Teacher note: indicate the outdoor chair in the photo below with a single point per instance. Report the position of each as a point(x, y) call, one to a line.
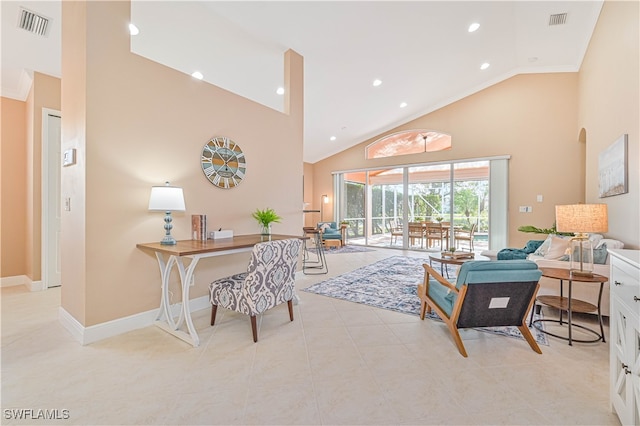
point(416, 232)
point(486, 294)
point(268, 282)
point(396, 230)
point(436, 232)
point(465, 235)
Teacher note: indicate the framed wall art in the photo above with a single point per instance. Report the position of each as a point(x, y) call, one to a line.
point(612, 169)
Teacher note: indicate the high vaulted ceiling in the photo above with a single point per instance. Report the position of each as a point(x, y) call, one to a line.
point(420, 50)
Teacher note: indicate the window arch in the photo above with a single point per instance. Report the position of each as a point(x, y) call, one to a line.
point(408, 142)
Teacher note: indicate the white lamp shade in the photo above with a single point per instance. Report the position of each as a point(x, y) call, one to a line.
point(582, 218)
point(166, 198)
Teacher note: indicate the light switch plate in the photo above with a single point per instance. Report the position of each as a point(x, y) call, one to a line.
point(69, 157)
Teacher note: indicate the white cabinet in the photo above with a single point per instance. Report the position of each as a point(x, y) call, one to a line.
point(624, 325)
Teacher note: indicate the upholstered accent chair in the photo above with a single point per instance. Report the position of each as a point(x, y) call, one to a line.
point(330, 231)
point(486, 294)
point(268, 282)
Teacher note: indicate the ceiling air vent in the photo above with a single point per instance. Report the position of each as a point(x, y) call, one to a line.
point(558, 19)
point(32, 22)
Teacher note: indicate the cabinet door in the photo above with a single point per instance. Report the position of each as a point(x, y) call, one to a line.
point(624, 354)
point(634, 361)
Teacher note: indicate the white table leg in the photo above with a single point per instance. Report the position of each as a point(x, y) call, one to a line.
point(168, 323)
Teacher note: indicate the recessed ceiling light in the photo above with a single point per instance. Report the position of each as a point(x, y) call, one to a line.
point(484, 66)
point(133, 30)
point(377, 82)
point(197, 74)
point(332, 138)
point(402, 105)
point(280, 91)
point(473, 27)
point(533, 59)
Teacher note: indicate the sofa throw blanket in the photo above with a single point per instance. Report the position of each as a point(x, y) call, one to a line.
point(513, 253)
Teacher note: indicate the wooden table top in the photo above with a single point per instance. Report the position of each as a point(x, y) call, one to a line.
point(192, 247)
point(565, 274)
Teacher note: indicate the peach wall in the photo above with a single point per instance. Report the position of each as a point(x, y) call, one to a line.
point(609, 95)
point(136, 123)
point(13, 204)
point(309, 196)
point(532, 118)
point(74, 104)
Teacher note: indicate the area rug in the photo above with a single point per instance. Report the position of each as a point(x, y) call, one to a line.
point(392, 284)
point(343, 249)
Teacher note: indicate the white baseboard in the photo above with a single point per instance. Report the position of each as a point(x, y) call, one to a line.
point(94, 333)
point(22, 280)
point(37, 286)
point(14, 281)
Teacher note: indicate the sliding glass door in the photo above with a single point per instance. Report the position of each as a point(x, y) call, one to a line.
point(394, 207)
point(471, 205)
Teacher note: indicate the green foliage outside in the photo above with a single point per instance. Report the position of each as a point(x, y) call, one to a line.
point(428, 201)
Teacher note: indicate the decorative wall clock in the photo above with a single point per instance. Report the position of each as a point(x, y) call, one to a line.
point(223, 163)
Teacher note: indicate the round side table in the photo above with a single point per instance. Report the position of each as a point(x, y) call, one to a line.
point(570, 305)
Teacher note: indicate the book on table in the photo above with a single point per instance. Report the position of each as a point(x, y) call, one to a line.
point(458, 255)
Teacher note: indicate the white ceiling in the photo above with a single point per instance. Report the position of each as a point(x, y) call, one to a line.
point(421, 51)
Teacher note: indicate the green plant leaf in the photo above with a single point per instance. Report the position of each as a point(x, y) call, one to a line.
point(266, 216)
point(535, 230)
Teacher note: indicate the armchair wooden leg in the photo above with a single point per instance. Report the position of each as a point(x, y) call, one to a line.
point(423, 309)
point(290, 306)
point(456, 338)
point(254, 328)
point(526, 333)
point(214, 309)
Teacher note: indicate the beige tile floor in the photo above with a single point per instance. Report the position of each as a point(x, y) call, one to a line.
point(337, 363)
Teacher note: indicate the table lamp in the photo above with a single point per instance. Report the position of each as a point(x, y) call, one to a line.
point(582, 219)
point(167, 199)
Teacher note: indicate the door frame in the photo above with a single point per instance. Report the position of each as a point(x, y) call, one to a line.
point(47, 153)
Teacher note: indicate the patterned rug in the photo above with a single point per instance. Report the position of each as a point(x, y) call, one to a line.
point(343, 249)
point(391, 284)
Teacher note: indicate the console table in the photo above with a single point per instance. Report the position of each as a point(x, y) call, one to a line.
point(170, 255)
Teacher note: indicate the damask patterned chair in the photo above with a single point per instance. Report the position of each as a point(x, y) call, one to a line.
point(268, 282)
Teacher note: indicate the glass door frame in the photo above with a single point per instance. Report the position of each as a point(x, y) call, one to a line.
point(498, 197)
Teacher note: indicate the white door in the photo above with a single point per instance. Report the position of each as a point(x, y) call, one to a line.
point(51, 192)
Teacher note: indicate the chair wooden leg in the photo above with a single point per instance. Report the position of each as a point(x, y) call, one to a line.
point(526, 333)
point(254, 328)
point(456, 338)
point(214, 309)
point(290, 306)
point(423, 309)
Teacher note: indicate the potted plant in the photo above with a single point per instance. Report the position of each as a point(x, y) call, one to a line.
point(265, 218)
